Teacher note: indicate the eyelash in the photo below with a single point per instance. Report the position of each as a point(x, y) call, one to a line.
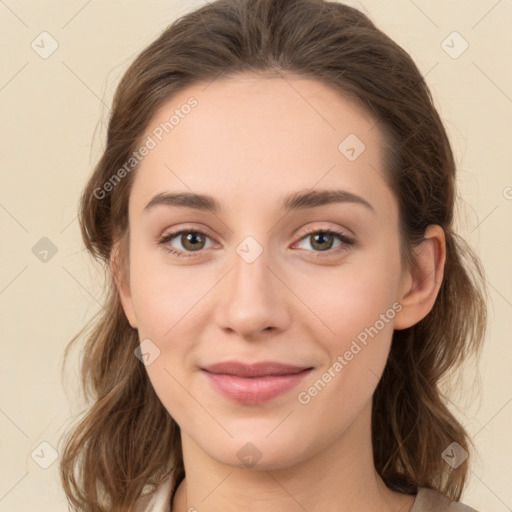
point(346, 242)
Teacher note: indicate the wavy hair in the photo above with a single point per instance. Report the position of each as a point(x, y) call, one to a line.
point(127, 440)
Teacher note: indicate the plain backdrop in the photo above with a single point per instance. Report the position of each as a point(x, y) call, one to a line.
point(54, 109)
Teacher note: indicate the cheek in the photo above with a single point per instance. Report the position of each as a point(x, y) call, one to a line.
point(165, 296)
point(166, 304)
point(352, 297)
point(168, 301)
point(357, 306)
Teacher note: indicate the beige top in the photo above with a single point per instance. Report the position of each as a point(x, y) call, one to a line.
point(426, 500)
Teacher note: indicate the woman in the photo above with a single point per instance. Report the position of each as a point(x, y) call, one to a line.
point(274, 206)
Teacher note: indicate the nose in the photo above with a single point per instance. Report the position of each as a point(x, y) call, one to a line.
point(252, 300)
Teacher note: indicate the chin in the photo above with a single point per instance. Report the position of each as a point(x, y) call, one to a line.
point(257, 452)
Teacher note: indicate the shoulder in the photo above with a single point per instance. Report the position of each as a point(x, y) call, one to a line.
point(158, 500)
point(428, 500)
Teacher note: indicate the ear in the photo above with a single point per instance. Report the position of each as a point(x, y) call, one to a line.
point(421, 284)
point(120, 274)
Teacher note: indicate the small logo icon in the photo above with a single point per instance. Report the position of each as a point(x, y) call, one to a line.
point(249, 455)
point(351, 147)
point(44, 250)
point(249, 249)
point(454, 45)
point(147, 352)
point(454, 455)
point(44, 45)
point(44, 455)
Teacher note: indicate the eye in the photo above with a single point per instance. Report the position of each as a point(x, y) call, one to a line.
point(322, 241)
point(191, 240)
point(194, 240)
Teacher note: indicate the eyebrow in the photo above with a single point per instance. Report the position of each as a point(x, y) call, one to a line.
point(295, 201)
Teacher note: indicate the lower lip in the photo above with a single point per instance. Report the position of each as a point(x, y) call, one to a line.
point(255, 390)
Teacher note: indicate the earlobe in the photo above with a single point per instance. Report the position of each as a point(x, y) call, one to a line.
point(420, 285)
point(119, 271)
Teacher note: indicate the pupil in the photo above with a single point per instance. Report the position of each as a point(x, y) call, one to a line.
point(192, 238)
point(321, 235)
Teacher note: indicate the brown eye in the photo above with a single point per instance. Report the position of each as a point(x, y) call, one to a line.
point(322, 240)
point(192, 240)
point(188, 241)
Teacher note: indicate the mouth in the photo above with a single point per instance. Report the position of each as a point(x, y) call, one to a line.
point(260, 369)
point(254, 383)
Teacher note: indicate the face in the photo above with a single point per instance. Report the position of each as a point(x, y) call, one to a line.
point(313, 283)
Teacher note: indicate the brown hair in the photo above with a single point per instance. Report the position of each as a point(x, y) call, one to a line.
point(127, 439)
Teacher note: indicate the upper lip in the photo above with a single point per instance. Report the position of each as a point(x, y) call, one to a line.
point(260, 369)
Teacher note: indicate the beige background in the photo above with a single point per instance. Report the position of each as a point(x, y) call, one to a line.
point(53, 123)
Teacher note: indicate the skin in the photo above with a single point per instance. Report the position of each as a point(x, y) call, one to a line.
point(250, 141)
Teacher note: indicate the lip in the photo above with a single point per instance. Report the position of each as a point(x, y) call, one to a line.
point(254, 383)
point(259, 369)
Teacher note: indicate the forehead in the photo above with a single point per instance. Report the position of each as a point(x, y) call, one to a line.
point(260, 138)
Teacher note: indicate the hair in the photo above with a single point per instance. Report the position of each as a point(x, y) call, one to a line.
point(127, 440)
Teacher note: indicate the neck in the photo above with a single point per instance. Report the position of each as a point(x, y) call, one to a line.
point(340, 476)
